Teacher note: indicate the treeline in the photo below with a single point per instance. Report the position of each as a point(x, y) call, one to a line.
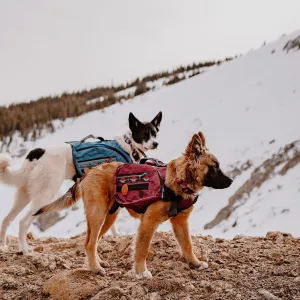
point(32, 117)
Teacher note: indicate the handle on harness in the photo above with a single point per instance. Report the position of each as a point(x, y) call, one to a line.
point(155, 161)
point(91, 136)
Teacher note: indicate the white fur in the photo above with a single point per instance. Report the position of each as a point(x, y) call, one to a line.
point(114, 230)
point(203, 265)
point(149, 144)
point(145, 274)
point(13, 177)
point(38, 182)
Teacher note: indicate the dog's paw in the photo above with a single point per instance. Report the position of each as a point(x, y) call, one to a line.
point(145, 274)
point(98, 270)
point(203, 265)
point(25, 251)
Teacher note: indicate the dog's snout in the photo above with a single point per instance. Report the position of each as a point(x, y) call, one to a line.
point(155, 144)
point(228, 182)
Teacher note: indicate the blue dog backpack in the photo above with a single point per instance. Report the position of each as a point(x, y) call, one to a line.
point(92, 154)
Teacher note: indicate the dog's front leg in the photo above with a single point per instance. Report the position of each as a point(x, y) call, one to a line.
point(155, 214)
point(181, 231)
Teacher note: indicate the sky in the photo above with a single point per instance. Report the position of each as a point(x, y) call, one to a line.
point(49, 47)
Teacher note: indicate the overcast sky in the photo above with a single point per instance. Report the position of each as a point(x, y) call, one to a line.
point(48, 47)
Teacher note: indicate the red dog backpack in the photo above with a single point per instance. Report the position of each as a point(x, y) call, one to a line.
point(139, 185)
point(136, 186)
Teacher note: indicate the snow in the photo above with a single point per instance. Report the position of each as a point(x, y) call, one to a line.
point(240, 106)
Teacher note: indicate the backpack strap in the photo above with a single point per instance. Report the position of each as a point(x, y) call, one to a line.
point(170, 196)
point(134, 151)
point(92, 136)
point(114, 208)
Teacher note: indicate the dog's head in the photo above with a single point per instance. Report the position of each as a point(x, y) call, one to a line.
point(201, 168)
point(144, 134)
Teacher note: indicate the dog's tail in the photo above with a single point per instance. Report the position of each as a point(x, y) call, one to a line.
point(65, 201)
point(13, 177)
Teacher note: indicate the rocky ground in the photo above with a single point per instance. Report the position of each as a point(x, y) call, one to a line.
point(242, 268)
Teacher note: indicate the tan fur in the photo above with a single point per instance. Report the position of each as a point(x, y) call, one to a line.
point(97, 192)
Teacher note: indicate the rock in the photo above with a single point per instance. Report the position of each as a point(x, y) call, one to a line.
point(137, 291)
point(203, 257)
point(154, 296)
point(186, 298)
point(213, 265)
point(279, 237)
point(30, 236)
point(38, 249)
point(44, 261)
point(275, 255)
point(220, 262)
point(110, 294)
point(65, 285)
point(219, 240)
point(267, 295)
point(189, 287)
point(297, 279)
point(224, 273)
point(239, 237)
point(9, 284)
point(224, 254)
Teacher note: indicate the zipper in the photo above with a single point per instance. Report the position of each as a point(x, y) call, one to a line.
point(97, 158)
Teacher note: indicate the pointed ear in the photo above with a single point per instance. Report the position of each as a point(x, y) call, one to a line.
point(195, 147)
point(133, 122)
point(202, 137)
point(156, 121)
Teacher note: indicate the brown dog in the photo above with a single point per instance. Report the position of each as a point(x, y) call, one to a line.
point(197, 167)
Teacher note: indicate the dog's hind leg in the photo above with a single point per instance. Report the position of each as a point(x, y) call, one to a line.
point(95, 221)
point(42, 188)
point(181, 231)
point(114, 230)
point(21, 200)
point(23, 228)
point(109, 223)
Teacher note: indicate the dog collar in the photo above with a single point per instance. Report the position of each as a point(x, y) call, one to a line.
point(134, 151)
point(184, 187)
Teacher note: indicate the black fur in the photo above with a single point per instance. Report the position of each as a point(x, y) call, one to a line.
point(216, 179)
point(35, 154)
point(142, 132)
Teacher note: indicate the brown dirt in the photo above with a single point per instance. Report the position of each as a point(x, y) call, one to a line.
point(242, 268)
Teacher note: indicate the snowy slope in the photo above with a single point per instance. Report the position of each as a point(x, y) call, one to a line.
point(240, 106)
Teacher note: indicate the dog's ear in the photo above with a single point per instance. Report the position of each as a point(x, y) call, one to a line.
point(133, 122)
point(195, 147)
point(203, 139)
point(156, 121)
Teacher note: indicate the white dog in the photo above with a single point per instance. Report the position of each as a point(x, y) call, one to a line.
point(44, 170)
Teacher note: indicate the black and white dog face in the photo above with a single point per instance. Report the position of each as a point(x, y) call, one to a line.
point(144, 134)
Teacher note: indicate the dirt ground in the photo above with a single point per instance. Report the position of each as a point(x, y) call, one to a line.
point(242, 268)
